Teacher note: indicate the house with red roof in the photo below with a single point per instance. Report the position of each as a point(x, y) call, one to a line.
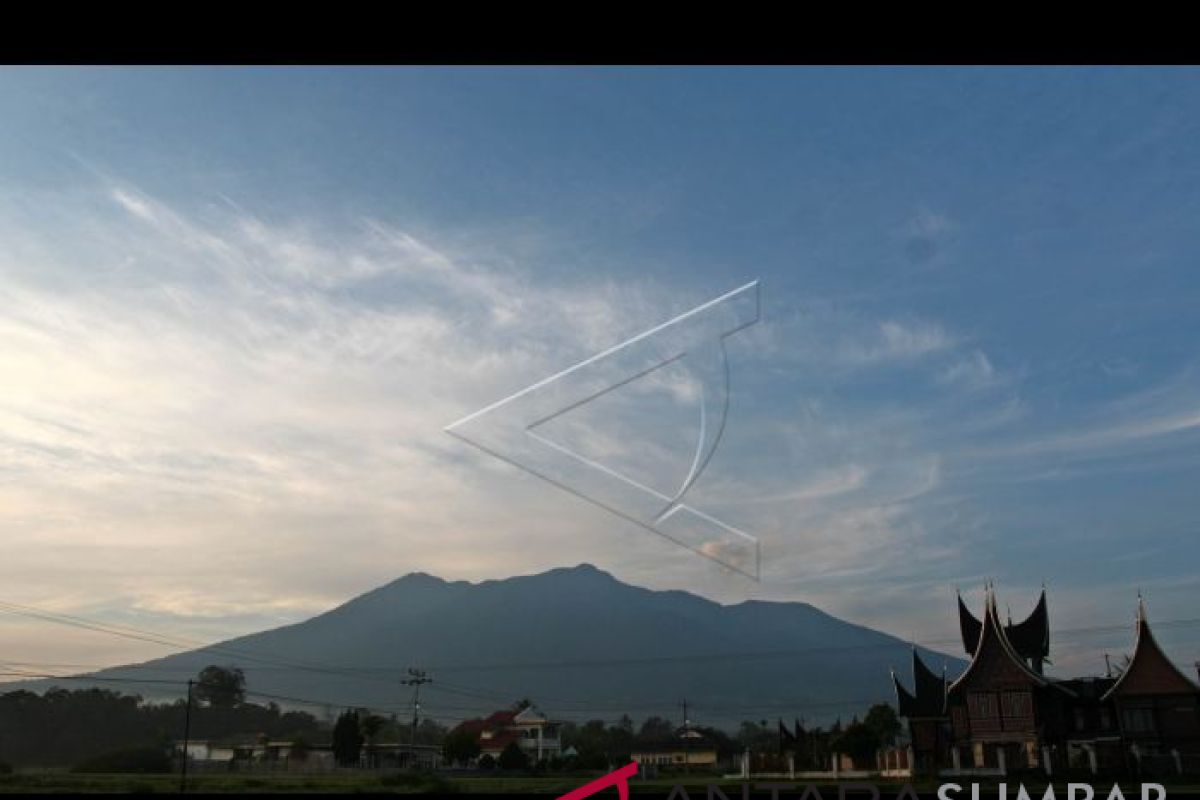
point(529, 728)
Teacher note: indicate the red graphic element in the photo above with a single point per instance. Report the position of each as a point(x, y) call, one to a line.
point(619, 778)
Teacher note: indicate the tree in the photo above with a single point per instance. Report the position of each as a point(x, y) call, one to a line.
point(347, 739)
point(460, 746)
point(882, 720)
point(857, 741)
point(299, 750)
point(370, 725)
point(486, 761)
point(757, 736)
point(429, 731)
point(656, 730)
point(220, 687)
point(513, 757)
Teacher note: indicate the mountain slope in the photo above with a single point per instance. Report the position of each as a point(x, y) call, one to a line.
point(576, 640)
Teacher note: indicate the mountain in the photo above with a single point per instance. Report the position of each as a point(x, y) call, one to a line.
point(577, 641)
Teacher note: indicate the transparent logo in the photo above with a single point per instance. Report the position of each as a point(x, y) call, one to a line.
point(513, 429)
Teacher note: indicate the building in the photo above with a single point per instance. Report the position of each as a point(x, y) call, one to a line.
point(529, 728)
point(690, 748)
point(271, 755)
point(1004, 713)
point(1156, 706)
point(925, 710)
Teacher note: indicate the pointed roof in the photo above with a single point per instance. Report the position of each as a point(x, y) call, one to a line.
point(929, 696)
point(993, 644)
point(1030, 638)
point(1150, 671)
point(969, 626)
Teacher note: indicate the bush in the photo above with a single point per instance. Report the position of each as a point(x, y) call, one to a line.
point(139, 759)
point(513, 757)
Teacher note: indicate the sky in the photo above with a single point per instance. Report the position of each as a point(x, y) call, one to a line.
point(238, 307)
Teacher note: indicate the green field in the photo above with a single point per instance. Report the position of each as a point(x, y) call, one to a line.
point(52, 781)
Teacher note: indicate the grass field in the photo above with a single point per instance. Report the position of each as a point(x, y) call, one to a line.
point(348, 782)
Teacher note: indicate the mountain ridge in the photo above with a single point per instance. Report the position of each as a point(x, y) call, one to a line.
point(576, 640)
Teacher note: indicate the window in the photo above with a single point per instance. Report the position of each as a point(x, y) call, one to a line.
point(1138, 720)
point(982, 704)
point(1017, 704)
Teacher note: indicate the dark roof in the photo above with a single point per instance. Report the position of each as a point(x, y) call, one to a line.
point(992, 639)
point(1029, 638)
point(499, 741)
point(500, 718)
point(1150, 671)
point(1087, 688)
point(471, 726)
point(495, 721)
point(929, 696)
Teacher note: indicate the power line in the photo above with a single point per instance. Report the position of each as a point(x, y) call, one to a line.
point(373, 673)
point(379, 673)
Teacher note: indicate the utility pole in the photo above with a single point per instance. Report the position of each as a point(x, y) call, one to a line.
point(416, 678)
point(687, 740)
point(187, 733)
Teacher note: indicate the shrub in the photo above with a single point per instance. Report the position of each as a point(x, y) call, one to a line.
point(139, 759)
point(513, 757)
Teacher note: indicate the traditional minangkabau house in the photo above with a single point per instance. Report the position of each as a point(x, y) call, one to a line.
point(925, 710)
point(1157, 705)
point(1004, 713)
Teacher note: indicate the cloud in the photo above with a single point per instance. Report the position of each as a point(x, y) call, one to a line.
point(973, 372)
point(900, 340)
point(925, 235)
point(203, 394)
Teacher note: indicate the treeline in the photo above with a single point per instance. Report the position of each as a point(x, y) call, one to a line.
point(601, 745)
point(65, 727)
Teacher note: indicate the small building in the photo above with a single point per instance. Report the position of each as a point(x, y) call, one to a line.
point(688, 749)
point(264, 754)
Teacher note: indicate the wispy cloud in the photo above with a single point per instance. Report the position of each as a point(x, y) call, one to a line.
point(214, 393)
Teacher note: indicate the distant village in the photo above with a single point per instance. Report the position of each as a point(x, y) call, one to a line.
point(1003, 715)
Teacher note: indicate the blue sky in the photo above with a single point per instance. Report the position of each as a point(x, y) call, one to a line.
point(240, 304)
